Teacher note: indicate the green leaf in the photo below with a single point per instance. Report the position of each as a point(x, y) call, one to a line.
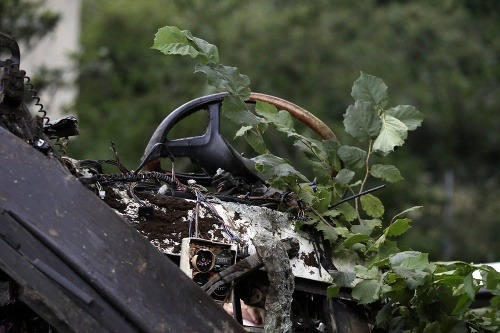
point(385, 249)
point(277, 169)
point(408, 115)
point(411, 209)
point(332, 213)
point(366, 291)
point(372, 205)
point(378, 243)
point(383, 315)
point(416, 262)
point(355, 238)
point(323, 197)
point(361, 121)
point(454, 325)
point(366, 227)
point(347, 211)
point(242, 131)
point(495, 301)
point(314, 149)
point(236, 110)
point(365, 273)
point(372, 224)
point(288, 172)
point(352, 156)
point(491, 279)
point(344, 176)
point(412, 278)
point(305, 193)
point(226, 78)
point(396, 259)
point(386, 172)
point(254, 138)
point(281, 119)
point(432, 328)
point(393, 134)
point(298, 224)
point(361, 229)
point(343, 279)
point(372, 90)
point(398, 227)
point(462, 304)
point(172, 41)
point(328, 231)
point(469, 287)
point(332, 291)
point(322, 171)
point(330, 147)
point(342, 231)
point(209, 51)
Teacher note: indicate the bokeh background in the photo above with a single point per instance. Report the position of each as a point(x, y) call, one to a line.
point(440, 56)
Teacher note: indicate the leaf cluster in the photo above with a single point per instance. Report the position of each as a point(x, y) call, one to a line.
point(406, 290)
point(439, 56)
point(171, 40)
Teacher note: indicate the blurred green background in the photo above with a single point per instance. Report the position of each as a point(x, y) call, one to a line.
point(440, 56)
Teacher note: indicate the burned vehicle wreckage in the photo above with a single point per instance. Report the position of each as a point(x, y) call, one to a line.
point(152, 250)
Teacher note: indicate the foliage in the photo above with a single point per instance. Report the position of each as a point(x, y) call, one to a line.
point(408, 291)
point(438, 55)
point(441, 55)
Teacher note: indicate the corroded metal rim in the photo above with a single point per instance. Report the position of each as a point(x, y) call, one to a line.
point(299, 113)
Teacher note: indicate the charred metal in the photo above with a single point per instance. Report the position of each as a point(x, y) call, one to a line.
point(139, 251)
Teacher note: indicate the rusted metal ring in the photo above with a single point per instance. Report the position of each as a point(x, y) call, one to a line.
point(298, 113)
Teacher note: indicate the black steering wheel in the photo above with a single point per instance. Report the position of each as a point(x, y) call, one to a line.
point(210, 150)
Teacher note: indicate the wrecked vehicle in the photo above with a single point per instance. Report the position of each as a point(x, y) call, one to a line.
point(152, 250)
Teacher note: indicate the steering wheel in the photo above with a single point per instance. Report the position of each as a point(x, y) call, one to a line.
point(210, 150)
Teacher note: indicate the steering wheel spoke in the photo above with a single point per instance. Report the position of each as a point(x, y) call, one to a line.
point(210, 150)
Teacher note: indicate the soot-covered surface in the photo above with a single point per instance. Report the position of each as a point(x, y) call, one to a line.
point(164, 220)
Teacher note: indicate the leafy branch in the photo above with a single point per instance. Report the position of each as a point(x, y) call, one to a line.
point(405, 290)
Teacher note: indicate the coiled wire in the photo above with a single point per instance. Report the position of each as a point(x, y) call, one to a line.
point(34, 96)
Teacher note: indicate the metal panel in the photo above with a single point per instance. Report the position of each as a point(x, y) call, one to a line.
point(101, 247)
